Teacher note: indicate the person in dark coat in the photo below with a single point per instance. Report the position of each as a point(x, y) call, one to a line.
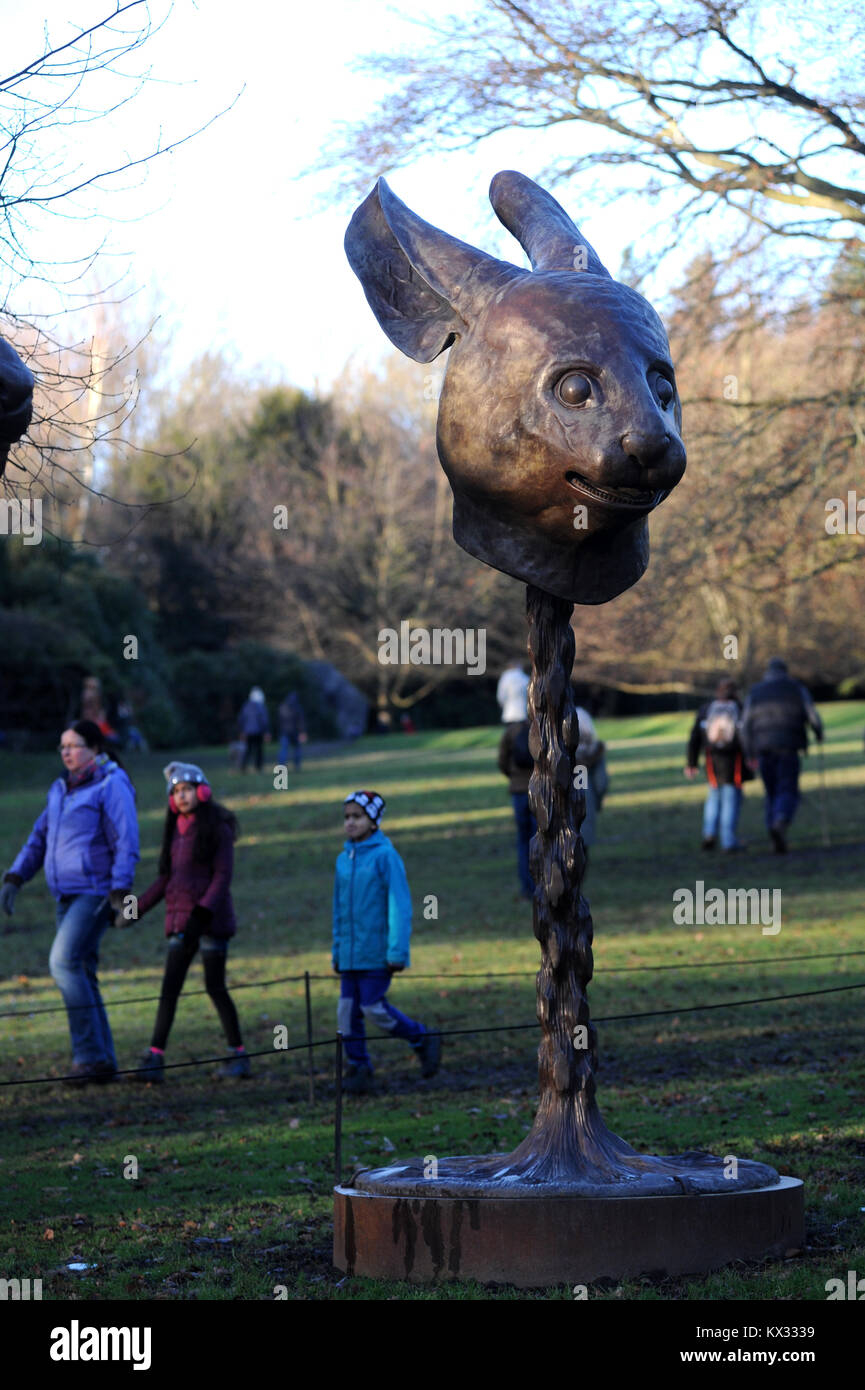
point(778, 713)
point(195, 868)
point(292, 729)
point(516, 763)
point(254, 724)
point(715, 733)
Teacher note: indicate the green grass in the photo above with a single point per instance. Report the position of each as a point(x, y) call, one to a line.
point(232, 1197)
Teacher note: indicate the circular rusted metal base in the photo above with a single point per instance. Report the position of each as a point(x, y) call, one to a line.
point(534, 1239)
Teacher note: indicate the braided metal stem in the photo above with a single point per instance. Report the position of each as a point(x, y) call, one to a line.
point(568, 1138)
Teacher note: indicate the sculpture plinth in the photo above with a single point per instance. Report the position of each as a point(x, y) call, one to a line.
point(559, 430)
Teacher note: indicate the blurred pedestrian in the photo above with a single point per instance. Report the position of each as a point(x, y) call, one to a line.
point(778, 713)
point(591, 755)
point(195, 868)
point(716, 733)
point(254, 724)
point(292, 729)
point(87, 839)
point(512, 691)
point(371, 934)
point(516, 763)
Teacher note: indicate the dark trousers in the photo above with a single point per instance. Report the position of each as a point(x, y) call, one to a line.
point(526, 827)
point(181, 951)
point(253, 749)
point(362, 1000)
point(780, 773)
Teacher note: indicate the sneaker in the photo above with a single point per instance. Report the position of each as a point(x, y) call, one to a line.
point(85, 1073)
point(237, 1067)
point(357, 1080)
point(151, 1068)
point(708, 842)
point(429, 1051)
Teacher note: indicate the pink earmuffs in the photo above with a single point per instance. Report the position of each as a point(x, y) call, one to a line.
point(202, 791)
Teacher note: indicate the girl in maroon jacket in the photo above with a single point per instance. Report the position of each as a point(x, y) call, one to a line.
point(195, 879)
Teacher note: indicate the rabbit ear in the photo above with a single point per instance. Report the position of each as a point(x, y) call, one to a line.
point(541, 226)
point(422, 285)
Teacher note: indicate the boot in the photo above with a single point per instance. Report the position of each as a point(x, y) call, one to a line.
point(429, 1052)
point(357, 1080)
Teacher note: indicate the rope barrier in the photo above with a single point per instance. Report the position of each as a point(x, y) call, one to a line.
point(455, 975)
point(462, 1032)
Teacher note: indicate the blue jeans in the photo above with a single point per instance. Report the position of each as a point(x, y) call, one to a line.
point(362, 1000)
point(526, 827)
point(81, 920)
point(780, 773)
point(284, 741)
point(722, 804)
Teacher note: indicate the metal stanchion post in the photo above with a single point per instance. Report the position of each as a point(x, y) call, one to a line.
point(309, 1037)
point(337, 1124)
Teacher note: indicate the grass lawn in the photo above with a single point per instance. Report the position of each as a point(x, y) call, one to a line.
point(232, 1198)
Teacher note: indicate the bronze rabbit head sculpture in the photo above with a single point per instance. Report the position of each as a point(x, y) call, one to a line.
point(16, 399)
point(559, 421)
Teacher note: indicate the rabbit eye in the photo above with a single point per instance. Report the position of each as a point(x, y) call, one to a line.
point(574, 389)
point(664, 391)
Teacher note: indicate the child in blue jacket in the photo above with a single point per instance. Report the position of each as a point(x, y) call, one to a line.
point(371, 931)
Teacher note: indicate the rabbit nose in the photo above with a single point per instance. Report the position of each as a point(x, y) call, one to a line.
point(646, 446)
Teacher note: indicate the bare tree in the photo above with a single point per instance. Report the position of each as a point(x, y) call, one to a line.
point(85, 385)
point(665, 80)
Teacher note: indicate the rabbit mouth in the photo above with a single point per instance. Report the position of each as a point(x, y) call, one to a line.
point(635, 497)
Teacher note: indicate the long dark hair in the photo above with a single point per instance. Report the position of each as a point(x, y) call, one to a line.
point(95, 739)
point(210, 816)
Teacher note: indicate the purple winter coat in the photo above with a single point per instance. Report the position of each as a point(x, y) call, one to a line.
point(191, 884)
point(87, 836)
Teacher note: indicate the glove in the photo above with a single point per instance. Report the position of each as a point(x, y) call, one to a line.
point(197, 922)
point(394, 969)
point(9, 892)
point(116, 898)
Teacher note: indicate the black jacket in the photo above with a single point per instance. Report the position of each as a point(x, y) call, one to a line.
point(777, 713)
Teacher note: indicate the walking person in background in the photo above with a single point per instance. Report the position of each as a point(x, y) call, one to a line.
point(292, 729)
point(254, 724)
point(715, 731)
point(87, 839)
point(512, 691)
point(195, 868)
point(371, 934)
point(516, 763)
point(775, 722)
point(591, 754)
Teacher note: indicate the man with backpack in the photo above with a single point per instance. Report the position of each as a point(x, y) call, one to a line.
point(778, 712)
point(716, 732)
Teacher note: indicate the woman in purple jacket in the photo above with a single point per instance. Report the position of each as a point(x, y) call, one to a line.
point(195, 868)
point(87, 839)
